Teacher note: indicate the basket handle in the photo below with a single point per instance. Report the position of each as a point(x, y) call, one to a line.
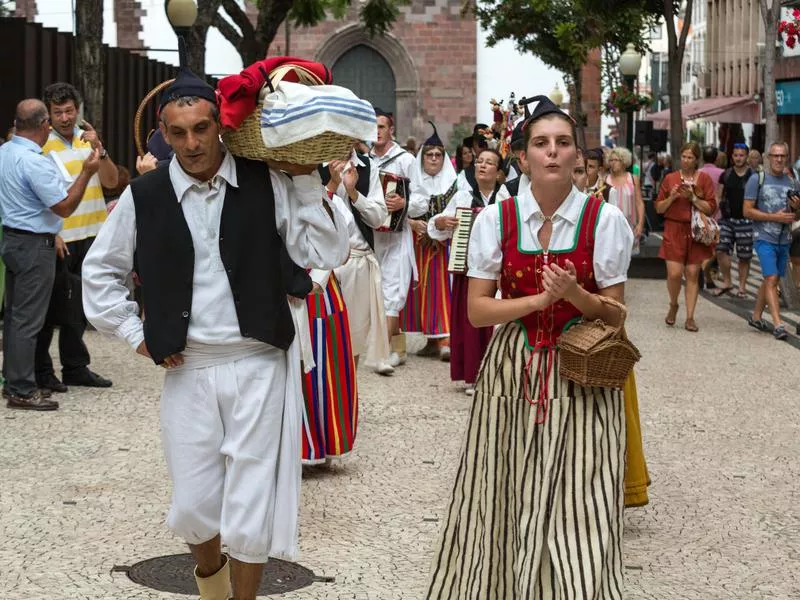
point(137, 120)
point(620, 328)
point(277, 75)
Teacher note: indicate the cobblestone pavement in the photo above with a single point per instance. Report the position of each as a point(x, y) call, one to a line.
point(85, 488)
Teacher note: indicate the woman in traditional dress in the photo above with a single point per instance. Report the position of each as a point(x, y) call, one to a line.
point(427, 308)
point(681, 192)
point(624, 191)
point(637, 479)
point(468, 343)
point(330, 389)
point(536, 510)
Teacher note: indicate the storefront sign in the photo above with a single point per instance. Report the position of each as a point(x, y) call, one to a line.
point(788, 96)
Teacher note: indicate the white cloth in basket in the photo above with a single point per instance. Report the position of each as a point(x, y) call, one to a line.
point(295, 112)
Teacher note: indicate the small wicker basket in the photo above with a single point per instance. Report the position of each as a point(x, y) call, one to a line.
point(141, 142)
point(246, 142)
point(595, 354)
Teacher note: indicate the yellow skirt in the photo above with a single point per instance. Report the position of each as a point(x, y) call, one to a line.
point(636, 476)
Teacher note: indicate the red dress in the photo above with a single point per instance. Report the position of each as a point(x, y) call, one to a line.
point(678, 244)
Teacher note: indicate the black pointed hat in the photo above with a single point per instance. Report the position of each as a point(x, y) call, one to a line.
point(186, 83)
point(544, 106)
point(379, 112)
point(434, 140)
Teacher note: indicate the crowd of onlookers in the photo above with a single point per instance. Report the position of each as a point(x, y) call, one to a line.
point(55, 179)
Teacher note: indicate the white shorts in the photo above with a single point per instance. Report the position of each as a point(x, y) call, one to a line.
point(221, 434)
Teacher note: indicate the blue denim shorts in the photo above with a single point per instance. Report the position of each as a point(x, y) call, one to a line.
point(773, 258)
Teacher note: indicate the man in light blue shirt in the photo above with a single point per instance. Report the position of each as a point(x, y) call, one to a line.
point(771, 200)
point(33, 201)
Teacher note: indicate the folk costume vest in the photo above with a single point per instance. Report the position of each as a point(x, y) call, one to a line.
point(250, 248)
point(522, 276)
point(522, 271)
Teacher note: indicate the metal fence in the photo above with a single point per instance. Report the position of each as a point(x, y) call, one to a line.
point(38, 56)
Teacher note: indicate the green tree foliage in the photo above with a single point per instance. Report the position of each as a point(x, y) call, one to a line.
point(562, 33)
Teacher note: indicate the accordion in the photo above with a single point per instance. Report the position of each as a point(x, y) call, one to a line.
point(394, 184)
point(459, 247)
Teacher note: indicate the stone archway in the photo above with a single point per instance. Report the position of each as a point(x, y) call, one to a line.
point(392, 50)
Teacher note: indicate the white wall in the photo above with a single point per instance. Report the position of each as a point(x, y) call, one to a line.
point(502, 70)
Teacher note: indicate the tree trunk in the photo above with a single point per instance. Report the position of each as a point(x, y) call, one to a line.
point(196, 49)
point(577, 102)
point(771, 16)
point(676, 47)
point(89, 59)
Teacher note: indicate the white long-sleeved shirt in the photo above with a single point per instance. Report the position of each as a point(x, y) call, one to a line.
point(424, 186)
point(371, 207)
point(311, 237)
point(403, 166)
point(357, 242)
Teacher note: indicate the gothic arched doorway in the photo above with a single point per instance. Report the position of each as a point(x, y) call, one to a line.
point(368, 75)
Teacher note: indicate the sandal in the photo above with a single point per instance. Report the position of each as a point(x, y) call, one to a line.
point(780, 332)
point(759, 324)
point(741, 295)
point(720, 291)
point(690, 325)
point(673, 312)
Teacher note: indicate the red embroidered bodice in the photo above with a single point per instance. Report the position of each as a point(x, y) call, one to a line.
point(522, 271)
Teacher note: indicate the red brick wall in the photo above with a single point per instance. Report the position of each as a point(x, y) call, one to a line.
point(128, 16)
point(442, 46)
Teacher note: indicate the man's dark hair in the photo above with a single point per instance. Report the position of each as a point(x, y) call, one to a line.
point(651, 156)
point(595, 154)
point(60, 93)
point(710, 155)
point(30, 115)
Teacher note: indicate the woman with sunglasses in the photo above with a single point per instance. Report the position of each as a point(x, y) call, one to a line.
point(468, 343)
point(532, 513)
point(681, 192)
point(427, 308)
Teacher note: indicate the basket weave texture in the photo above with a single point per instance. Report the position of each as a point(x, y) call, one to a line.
point(595, 354)
point(246, 142)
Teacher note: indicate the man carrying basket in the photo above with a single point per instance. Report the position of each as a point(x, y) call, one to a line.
point(212, 228)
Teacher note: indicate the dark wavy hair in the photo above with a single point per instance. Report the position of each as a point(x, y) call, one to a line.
point(60, 93)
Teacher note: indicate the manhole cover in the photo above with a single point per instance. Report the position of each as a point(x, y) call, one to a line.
point(175, 574)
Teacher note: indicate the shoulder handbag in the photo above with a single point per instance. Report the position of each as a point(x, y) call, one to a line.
point(705, 229)
point(66, 306)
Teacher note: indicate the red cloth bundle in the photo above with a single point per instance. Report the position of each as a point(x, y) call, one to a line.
point(238, 94)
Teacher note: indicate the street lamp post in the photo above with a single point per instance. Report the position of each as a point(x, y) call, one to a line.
point(182, 14)
point(556, 96)
point(629, 64)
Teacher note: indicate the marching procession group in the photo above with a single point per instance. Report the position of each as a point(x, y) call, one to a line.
point(490, 257)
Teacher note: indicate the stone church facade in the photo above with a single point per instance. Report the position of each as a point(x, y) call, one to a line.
point(424, 69)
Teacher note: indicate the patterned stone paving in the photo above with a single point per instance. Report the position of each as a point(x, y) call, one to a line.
point(84, 490)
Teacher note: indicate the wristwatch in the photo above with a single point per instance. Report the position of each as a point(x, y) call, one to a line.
point(103, 154)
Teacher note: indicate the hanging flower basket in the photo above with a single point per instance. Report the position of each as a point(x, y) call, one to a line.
point(624, 100)
point(791, 29)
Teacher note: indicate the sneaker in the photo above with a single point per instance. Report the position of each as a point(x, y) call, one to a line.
point(759, 324)
point(384, 368)
point(394, 359)
point(470, 391)
point(780, 332)
point(444, 353)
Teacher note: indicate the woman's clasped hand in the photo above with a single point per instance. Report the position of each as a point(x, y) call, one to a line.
point(560, 283)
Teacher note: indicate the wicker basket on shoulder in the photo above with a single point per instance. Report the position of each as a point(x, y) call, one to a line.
point(138, 138)
point(246, 142)
point(595, 354)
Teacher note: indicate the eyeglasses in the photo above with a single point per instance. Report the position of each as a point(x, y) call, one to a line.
point(434, 155)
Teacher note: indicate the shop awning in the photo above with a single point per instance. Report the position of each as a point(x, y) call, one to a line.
point(723, 109)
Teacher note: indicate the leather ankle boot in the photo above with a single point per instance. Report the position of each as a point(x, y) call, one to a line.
point(216, 586)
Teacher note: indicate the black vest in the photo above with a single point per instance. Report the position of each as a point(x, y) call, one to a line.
point(250, 248)
point(363, 188)
point(513, 186)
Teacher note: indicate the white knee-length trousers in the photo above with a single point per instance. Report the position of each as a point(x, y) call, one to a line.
point(224, 433)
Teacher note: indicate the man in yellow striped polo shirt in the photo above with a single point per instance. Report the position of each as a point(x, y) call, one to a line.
point(69, 145)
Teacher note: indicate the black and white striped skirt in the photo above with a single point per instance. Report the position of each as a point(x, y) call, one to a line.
point(536, 510)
